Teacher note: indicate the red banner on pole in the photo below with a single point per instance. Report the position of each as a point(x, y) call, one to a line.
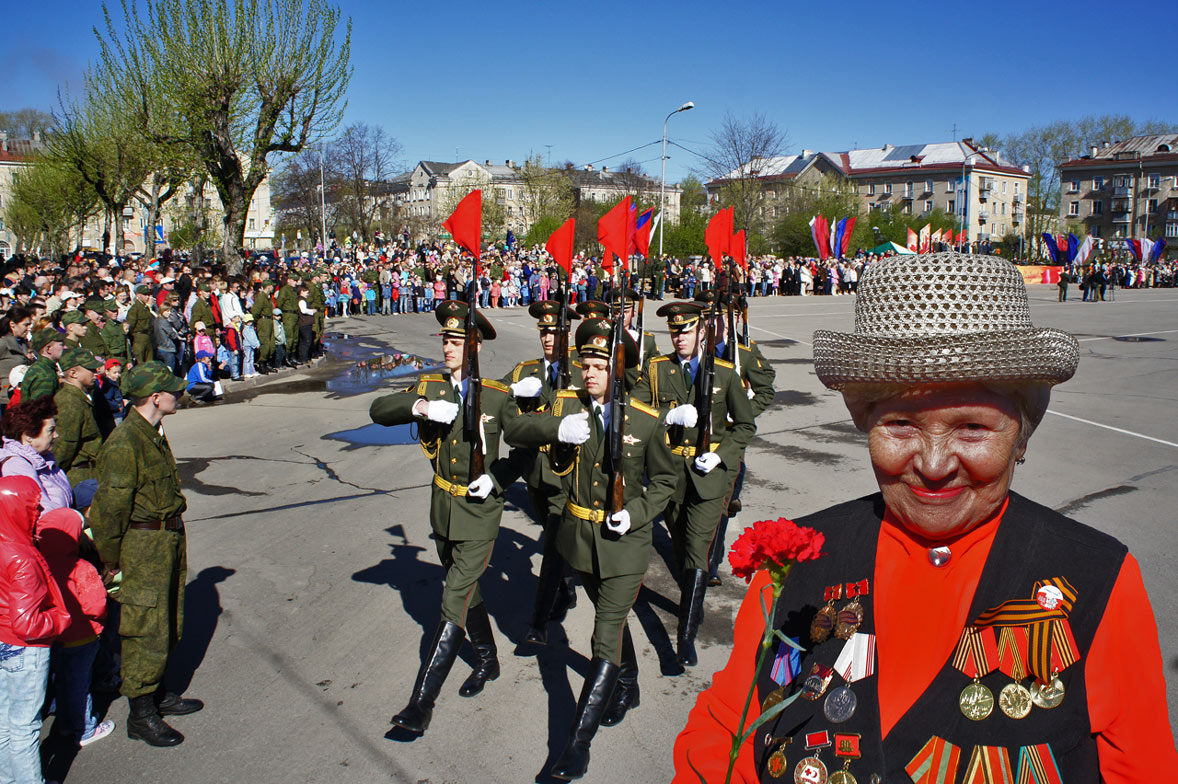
point(560, 245)
point(738, 250)
point(718, 236)
point(613, 231)
point(466, 225)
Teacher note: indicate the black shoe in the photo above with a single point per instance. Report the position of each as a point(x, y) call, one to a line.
point(691, 609)
point(144, 723)
point(537, 635)
point(417, 714)
point(734, 507)
point(626, 692)
point(596, 694)
point(478, 628)
point(713, 579)
point(170, 704)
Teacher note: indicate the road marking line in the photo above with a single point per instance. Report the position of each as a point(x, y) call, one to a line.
point(783, 337)
point(1114, 429)
point(802, 315)
point(1132, 335)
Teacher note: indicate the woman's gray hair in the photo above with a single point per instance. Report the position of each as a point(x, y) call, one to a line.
point(1030, 398)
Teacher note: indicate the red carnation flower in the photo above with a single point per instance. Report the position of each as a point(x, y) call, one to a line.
point(774, 545)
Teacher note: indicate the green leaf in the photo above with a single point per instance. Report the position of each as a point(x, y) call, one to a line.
point(695, 770)
point(769, 714)
point(788, 641)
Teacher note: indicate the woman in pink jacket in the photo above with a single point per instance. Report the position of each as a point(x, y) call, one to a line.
point(32, 616)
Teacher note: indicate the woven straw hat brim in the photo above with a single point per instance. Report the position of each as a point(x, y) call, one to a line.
point(1035, 354)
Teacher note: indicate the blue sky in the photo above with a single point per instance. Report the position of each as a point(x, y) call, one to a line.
point(498, 80)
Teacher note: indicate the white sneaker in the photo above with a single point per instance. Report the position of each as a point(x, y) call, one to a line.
point(103, 729)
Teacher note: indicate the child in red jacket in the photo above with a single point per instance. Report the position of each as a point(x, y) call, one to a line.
point(72, 660)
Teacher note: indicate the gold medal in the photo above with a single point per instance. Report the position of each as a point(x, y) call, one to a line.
point(775, 696)
point(842, 777)
point(777, 765)
point(1015, 701)
point(823, 622)
point(849, 620)
point(976, 701)
point(1048, 695)
point(816, 682)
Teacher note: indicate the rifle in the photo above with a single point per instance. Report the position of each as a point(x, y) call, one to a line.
point(472, 404)
point(617, 401)
point(564, 373)
point(705, 380)
point(731, 353)
point(641, 308)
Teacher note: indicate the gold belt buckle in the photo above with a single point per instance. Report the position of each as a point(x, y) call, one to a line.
point(456, 490)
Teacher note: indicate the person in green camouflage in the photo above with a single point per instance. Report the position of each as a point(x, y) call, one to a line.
point(43, 376)
point(138, 531)
point(465, 518)
point(139, 320)
point(74, 324)
point(610, 549)
point(92, 341)
point(263, 312)
point(114, 335)
point(288, 301)
point(316, 300)
point(201, 309)
point(78, 435)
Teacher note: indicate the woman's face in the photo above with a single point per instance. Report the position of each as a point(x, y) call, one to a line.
point(43, 441)
point(944, 455)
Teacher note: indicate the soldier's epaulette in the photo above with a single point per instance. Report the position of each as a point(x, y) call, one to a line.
point(527, 362)
point(493, 384)
point(648, 332)
point(725, 364)
point(640, 406)
point(566, 393)
point(659, 358)
point(428, 377)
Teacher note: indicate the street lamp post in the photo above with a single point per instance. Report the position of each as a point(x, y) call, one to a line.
point(663, 176)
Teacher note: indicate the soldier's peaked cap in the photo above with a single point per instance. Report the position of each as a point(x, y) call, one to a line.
point(680, 315)
point(451, 314)
point(593, 341)
point(547, 313)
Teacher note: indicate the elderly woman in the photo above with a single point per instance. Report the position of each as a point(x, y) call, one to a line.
point(954, 631)
point(30, 429)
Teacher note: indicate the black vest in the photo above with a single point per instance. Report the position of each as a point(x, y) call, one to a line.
point(1032, 543)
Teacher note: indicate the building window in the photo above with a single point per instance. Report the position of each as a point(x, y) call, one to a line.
point(871, 189)
point(950, 186)
point(1096, 230)
point(928, 206)
point(1172, 230)
point(952, 208)
point(1004, 186)
point(1152, 205)
point(1074, 186)
point(1016, 186)
point(928, 186)
point(1073, 208)
point(888, 188)
point(251, 224)
point(1155, 181)
point(1001, 229)
point(907, 208)
point(1098, 183)
point(908, 189)
point(1098, 208)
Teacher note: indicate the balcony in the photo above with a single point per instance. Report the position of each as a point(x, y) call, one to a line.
point(1016, 217)
point(1121, 192)
point(1172, 216)
point(1122, 218)
point(1153, 186)
point(1119, 205)
point(983, 216)
point(1018, 198)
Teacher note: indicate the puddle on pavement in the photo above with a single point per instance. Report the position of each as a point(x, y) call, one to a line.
point(373, 373)
point(374, 435)
point(1139, 339)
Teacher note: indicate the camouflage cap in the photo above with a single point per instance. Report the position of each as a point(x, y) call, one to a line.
point(202, 286)
point(96, 305)
point(111, 306)
point(46, 336)
point(73, 317)
point(78, 357)
point(143, 289)
point(149, 378)
point(593, 340)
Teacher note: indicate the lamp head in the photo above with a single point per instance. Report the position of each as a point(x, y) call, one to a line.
point(686, 106)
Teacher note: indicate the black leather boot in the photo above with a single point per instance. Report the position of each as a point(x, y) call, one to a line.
point(172, 704)
point(626, 692)
point(546, 590)
point(478, 628)
point(566, 593)
point(417, 714)
point(691, 611)
point(716, 551)
point(144, 723)
point(573, 762)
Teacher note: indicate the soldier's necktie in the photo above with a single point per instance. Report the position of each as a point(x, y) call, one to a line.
point(552, 376)
point(599, 419)
point(687, 373)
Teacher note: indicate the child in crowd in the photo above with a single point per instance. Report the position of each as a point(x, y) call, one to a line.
point(279, 340)
point(223, 363)
point(201, 340)
point(110, 395)
point(232, 343)
point(202, 387)
point(72, 656)
point(249, 345)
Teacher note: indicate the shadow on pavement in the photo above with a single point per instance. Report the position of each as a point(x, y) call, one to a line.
point(202, 609)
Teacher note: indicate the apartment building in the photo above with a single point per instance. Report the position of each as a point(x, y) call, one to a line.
point(1123, 189)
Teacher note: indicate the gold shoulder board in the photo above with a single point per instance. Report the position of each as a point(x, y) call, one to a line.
point(660, 358)
point(493, 384)
point(421, 385)
point(640, 406)
point(725, 364)
point(566, 393)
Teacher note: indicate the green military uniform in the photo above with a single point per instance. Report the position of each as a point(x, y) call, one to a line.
point(288, 302)
point(113, 334)
point(78, 436)
point(202, 311)
point(73, 317)
point(43, 376)
point(316, 300)
point(92, 341)
point(700, 499)
point(596, 309)
point(263, 313)
point(137, 528)
point(139, 321)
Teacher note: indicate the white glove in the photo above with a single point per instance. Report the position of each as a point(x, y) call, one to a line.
point(706, 462)
point(441, 411)
point(619, 522)
point(682, 415)
point(751, 393)
point(481, 487)
point(574, 429)
point(527, 387)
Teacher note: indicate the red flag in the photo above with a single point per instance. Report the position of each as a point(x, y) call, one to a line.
point(847, 235)
point(739, 249)
point(913, 242)
point(466, 225)
point(613, 230)
point(560, 245)
point(607, 263)
point(643, 224)
point(820, 229)
point(718, 235)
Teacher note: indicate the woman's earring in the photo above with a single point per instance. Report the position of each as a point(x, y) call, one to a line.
point(1020, 461)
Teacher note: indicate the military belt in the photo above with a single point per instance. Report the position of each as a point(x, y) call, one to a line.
point(689, 451)
point(582, 513)
point(453, 488)
point(171, 524)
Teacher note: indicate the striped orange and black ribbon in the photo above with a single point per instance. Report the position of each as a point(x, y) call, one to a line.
point(1036, 765)
point(936, 763)
point(977, 652)
point(989, 765)
point(1051, 647)
point(1012, 652)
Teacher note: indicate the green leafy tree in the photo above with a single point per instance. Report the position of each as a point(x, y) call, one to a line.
point(548, 193)
point(233, 80)
point(49, 203)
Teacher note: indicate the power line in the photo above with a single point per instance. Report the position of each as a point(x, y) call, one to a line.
point(697, 154)
point(627, 152)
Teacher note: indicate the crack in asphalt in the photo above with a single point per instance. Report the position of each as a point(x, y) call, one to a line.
point(332, 474)
point(1085, 500)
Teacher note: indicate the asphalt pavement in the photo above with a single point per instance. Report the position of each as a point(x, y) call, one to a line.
point(312, 575)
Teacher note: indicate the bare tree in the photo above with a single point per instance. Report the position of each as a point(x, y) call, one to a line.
point(548, 192)
point(233, 80)
point(24, 123)
point(295, 191)
point(739, 150)
point(361, 161)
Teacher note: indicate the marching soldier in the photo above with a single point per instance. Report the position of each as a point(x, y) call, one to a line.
point(757, 375)
point(465, 518)
point(610, 551)
point(534, 384)
point(139, 531)
point(671, 384)
point(78, 435)
point(598, 309)
point(139, 322)
point(43, 376)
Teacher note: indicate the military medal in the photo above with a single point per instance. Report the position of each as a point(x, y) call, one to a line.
point(1048, 695)
point(774, 697)
point(816, 682)
point(827, 616)
point(1015, 699)
point(811, 770)
point(935, 763)
point(846, 745)
point(977, 650)
point(840, 705)
point(777, 765)
point(855, 662)
point(850, 618)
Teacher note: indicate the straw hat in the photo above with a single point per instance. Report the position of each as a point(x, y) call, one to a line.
point(943, 318)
